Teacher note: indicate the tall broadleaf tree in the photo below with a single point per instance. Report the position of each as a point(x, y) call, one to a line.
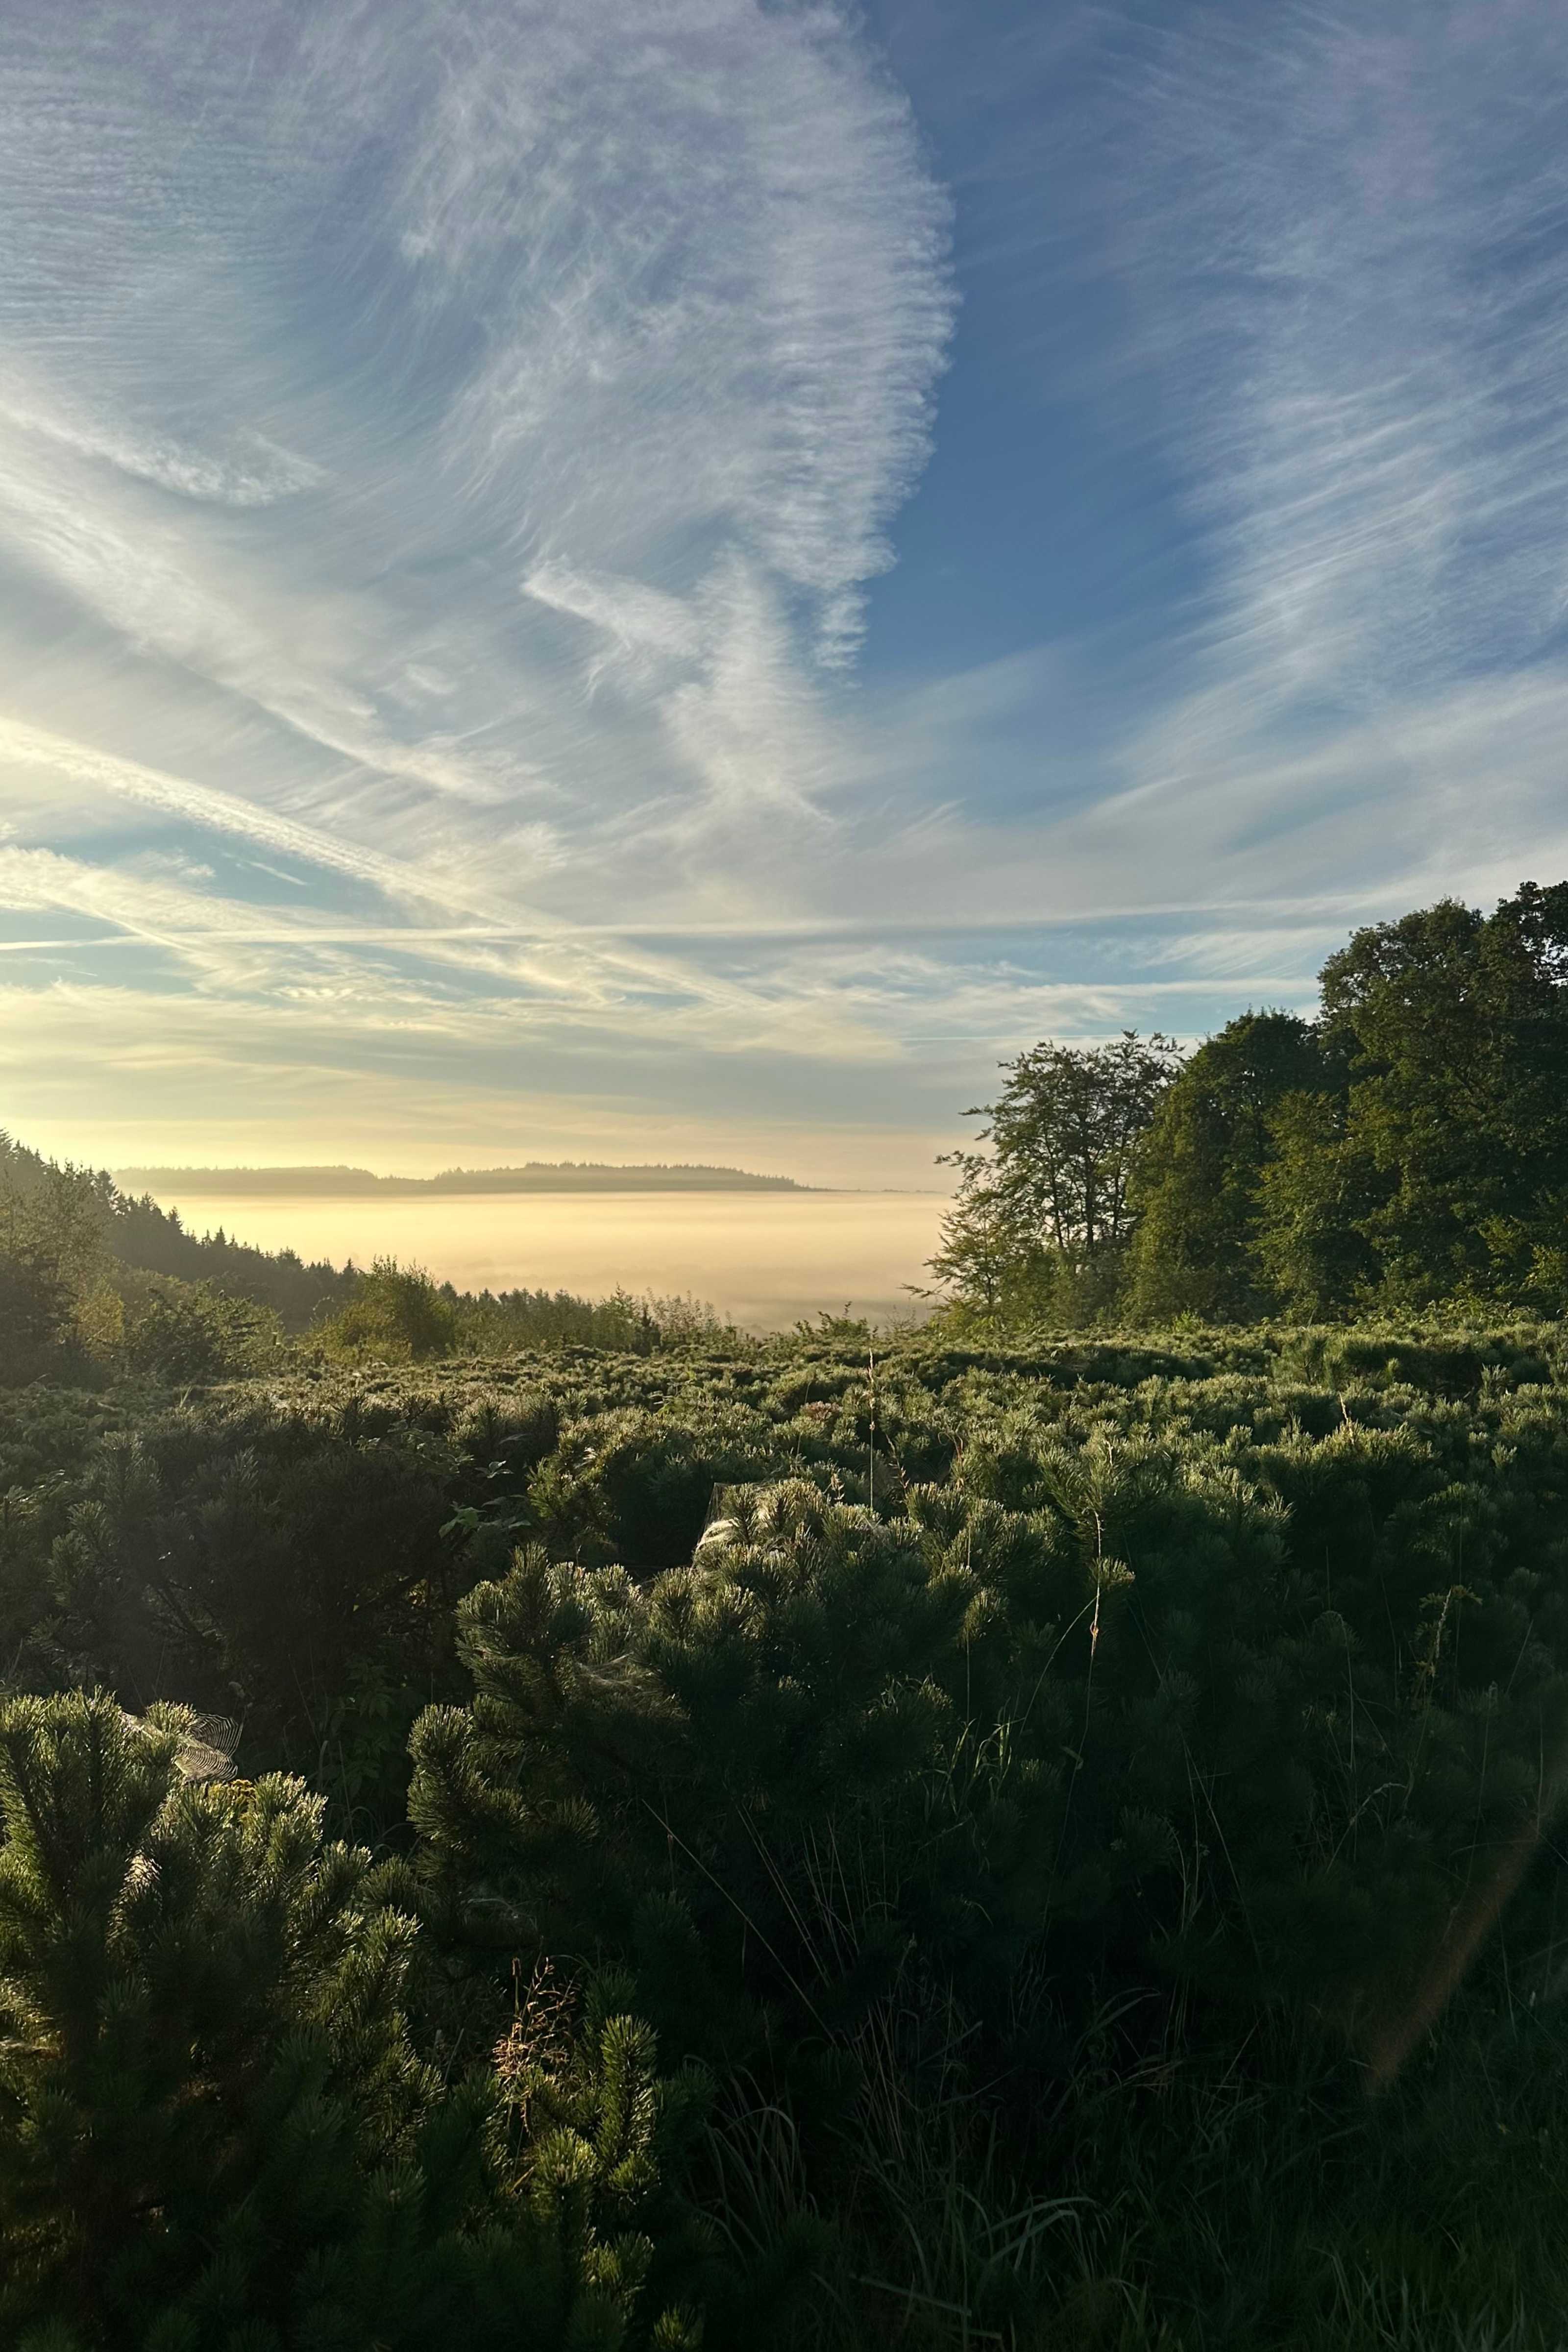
point(1197, 1177)
point(1457, 1023)
point(1042, 1221)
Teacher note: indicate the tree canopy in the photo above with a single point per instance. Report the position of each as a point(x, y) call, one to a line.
point(1407, 1148)
point(1047, 1212)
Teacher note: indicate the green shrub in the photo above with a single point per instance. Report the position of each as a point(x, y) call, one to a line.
point(395, 1315)
point(217, 2130)
point(184, 1332)
point(1042, 1794)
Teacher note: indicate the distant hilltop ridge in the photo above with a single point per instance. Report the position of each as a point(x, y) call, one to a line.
point(533, 1176)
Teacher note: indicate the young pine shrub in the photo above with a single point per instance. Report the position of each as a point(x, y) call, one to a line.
point(202, 2056)
point(215, 2130)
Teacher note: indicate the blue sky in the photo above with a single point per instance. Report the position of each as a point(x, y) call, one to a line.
point(673, 581)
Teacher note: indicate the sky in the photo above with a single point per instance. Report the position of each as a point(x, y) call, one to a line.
point(676, 579)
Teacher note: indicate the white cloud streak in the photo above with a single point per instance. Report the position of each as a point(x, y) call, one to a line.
point(31, 748)
point(496, 415)
point(445, 446)
point(1347, 265)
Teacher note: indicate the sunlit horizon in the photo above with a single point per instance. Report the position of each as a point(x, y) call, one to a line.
point(762, 1260)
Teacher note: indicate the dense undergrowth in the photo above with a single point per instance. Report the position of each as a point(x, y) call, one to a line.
point(1037, 1848)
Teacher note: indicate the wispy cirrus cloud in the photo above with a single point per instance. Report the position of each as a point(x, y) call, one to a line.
point(1345, 251)
point(448, 454)
point(482, 424)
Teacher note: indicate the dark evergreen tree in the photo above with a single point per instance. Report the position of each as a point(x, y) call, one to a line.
point(214, 2129)
point(54, 1258)
point(157, 1241)
point(202, 2048)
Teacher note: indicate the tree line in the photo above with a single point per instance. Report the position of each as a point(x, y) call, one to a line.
point(1404, 1150)
point(92, 1278)
point(96, 1286)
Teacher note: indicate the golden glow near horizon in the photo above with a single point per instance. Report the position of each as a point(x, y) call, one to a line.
point(764, 1259)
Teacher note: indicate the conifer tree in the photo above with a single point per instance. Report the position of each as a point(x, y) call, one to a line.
point(202, 2041)
point(215, 2130)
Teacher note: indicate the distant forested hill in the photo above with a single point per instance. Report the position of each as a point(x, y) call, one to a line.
point(532, 1176)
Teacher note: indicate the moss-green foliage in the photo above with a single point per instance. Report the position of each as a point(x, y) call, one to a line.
point(966, 1831)
point(1101, 1673)
point(395, 1315)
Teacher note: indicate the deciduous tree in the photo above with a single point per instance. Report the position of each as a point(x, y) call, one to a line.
point(1052, 1197)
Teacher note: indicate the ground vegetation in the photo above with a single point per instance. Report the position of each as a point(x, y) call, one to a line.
point(939, 1845)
